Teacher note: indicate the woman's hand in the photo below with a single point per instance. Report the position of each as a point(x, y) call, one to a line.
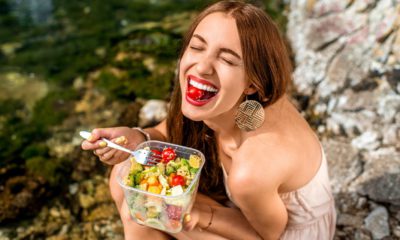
point(123, 136)
point(201, 214)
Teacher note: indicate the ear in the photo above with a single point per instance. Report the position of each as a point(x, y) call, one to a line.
point(250, 90)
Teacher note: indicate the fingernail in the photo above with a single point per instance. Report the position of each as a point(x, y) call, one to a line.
point(90, 138)
point(187, 218)
point(103, 144)
point(121, 140)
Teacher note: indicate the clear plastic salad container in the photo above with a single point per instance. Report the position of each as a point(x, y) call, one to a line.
point(163, 212)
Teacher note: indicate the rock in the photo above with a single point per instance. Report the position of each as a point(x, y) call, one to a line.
point(388, 107)
point(368, 140)
point(73, 188)
point(361, 234)
point(384, 188)
point(362, 5)
point(385, 26)
point(22, 196)
point(377, 223)
point(392, 135)
point(129, 116)
point(27, 88)
point(323, 31)
point(394, 76)
point(349, 220)
point(344, 164)
point(9, 49)
point(396, 46)
point(355, 101)
point(396, 231)
point(103, 211)
point(328, 7)
point(380, 178)
point(347, 61)
point(352, 123)
point(152, 112)
point(86, 201)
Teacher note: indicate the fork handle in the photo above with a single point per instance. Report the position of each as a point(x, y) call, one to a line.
point(116, 146)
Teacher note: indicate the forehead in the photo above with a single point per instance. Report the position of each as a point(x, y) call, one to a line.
point(219, 28)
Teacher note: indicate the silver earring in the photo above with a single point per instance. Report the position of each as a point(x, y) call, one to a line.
point(250, 115)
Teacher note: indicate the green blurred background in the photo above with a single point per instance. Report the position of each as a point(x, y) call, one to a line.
point(54, 56)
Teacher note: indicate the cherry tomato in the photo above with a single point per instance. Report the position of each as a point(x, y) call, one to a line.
point(156, 152)
point(178, 180)
point(195, 93)
point(168, 154)
point(170, 177)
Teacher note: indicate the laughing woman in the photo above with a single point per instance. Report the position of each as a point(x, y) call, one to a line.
point(229, 102)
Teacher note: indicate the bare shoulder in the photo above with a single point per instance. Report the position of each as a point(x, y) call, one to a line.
point(263, 162)
point(275, 163)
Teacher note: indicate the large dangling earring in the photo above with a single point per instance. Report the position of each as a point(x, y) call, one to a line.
point(250, 115)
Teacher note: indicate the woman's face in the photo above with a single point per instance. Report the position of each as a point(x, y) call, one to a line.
point(211, 70)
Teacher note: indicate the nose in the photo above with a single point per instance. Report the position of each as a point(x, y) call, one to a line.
point(204, 66)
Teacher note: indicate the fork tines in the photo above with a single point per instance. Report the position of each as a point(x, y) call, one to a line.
point(153, 158)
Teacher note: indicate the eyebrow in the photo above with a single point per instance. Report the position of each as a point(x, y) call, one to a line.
point(227, 50)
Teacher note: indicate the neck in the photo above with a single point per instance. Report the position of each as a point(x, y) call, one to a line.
point(225, 127)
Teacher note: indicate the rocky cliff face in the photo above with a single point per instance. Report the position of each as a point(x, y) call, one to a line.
point(347, 56)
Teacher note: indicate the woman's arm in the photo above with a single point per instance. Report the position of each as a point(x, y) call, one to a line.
point(158, 132)
point(209, 219)
point(125, 136)
point(254, 185)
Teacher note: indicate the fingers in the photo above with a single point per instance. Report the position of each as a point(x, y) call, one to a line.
point(106, 154)
point(98, 133)
point(110, 156)
point(187, 222)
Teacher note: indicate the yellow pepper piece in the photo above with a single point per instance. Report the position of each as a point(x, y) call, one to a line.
point(154, 189)
point(194, 161)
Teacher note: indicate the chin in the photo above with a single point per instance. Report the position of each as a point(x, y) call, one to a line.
point(193, 115)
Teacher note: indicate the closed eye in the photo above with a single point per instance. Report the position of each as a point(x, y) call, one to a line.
point(227, 61)
point(196, 48)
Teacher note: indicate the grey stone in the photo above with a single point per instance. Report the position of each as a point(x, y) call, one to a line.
point(368, 140)
point(328, 7)
point(377, 223)
point(351, 122)
point(396, 231)
point(362, 5)
point(380, 178)
point(361, 234)
point(391, 136)
point(346, 56)
point(152, 112)
point(349, 220)
point(382, 27)
point(388, 107)
point(344, 164)
point(322, 31)
point(351, 101)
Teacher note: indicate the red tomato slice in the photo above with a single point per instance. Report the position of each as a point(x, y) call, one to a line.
point(178, 180)
point(168, 154)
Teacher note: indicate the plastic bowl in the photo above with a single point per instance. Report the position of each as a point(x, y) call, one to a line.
point(162, 212)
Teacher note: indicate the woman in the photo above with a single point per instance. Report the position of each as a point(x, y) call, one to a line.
point(229, 102)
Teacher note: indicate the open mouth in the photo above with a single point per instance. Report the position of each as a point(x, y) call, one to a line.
point(199, 90)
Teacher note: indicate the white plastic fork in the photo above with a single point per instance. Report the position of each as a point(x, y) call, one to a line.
point(142, 156)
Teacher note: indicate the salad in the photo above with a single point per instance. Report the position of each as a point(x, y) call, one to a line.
point(171, 176)
point(160, 195)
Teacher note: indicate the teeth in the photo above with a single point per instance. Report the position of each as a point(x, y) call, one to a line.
point(202, 86)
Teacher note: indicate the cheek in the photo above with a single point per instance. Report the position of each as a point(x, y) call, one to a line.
point(234, 82)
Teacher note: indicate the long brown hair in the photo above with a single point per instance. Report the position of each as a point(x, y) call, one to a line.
point(267, 66)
